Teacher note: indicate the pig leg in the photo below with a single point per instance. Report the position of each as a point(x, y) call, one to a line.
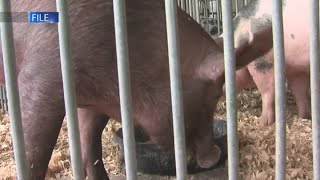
point(207, 153)
point(263, 78)
point(299, 85)
point(42, 109)
point(91, 126)
point(244, 79)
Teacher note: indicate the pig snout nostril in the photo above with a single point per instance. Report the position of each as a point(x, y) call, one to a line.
point(211, 159)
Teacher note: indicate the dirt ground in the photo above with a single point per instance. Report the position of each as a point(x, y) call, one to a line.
point(256, 144)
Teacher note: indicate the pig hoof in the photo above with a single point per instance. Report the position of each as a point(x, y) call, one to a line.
point(266, 122)
point(306, 116)
point(224, 89)
point(210, 159)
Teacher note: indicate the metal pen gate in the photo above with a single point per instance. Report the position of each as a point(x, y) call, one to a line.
point(208, 13)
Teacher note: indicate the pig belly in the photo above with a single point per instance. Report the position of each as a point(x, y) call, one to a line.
point(296, 35)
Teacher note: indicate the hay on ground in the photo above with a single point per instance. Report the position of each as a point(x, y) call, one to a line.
point(256, 144)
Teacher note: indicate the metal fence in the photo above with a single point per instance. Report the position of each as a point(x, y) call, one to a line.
point(3, 99)
point(208, 13)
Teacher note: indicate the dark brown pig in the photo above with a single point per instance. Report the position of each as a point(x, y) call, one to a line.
point(96, 79)
point(256, 17)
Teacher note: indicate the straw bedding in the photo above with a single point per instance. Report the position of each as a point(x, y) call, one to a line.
point(256, 144)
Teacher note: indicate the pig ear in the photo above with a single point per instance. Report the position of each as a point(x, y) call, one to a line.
point(219, 41)
point(251, 46)
point(212, 68)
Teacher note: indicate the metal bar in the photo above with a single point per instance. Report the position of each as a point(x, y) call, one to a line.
point(5, 99)
point(212, 10)
point(201, 13)
point(120, 26)
point(176, 90)
point(2, 100)
point(183, 4)
point(187, 6)
point(315, 85)
point(69, 89)
point(237, 6)
point(206, 14)
point(218, 17)
point(194, 9)
point(9, 63)
point(5, 108)
point(280, 93)
point(197, 11)
point(229, 56)
point(190, 8)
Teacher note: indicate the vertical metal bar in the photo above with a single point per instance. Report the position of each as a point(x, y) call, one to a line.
point(233, 156)
point(237, 6)
point(206, 14)
point(315, 85)
point(5, 99)
point(245, 2)
point(190, 8)
point(176, 90)
point(211, 4)
point(9, 63)
point(3, 96)
point(194, 9)
point(183, 4)
point(187, 6)
point(2, 100)
point(201, 13)
point(197, 11)
point(280, 95)
point(218, 17)
point(69, 89)
point(120, 25)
